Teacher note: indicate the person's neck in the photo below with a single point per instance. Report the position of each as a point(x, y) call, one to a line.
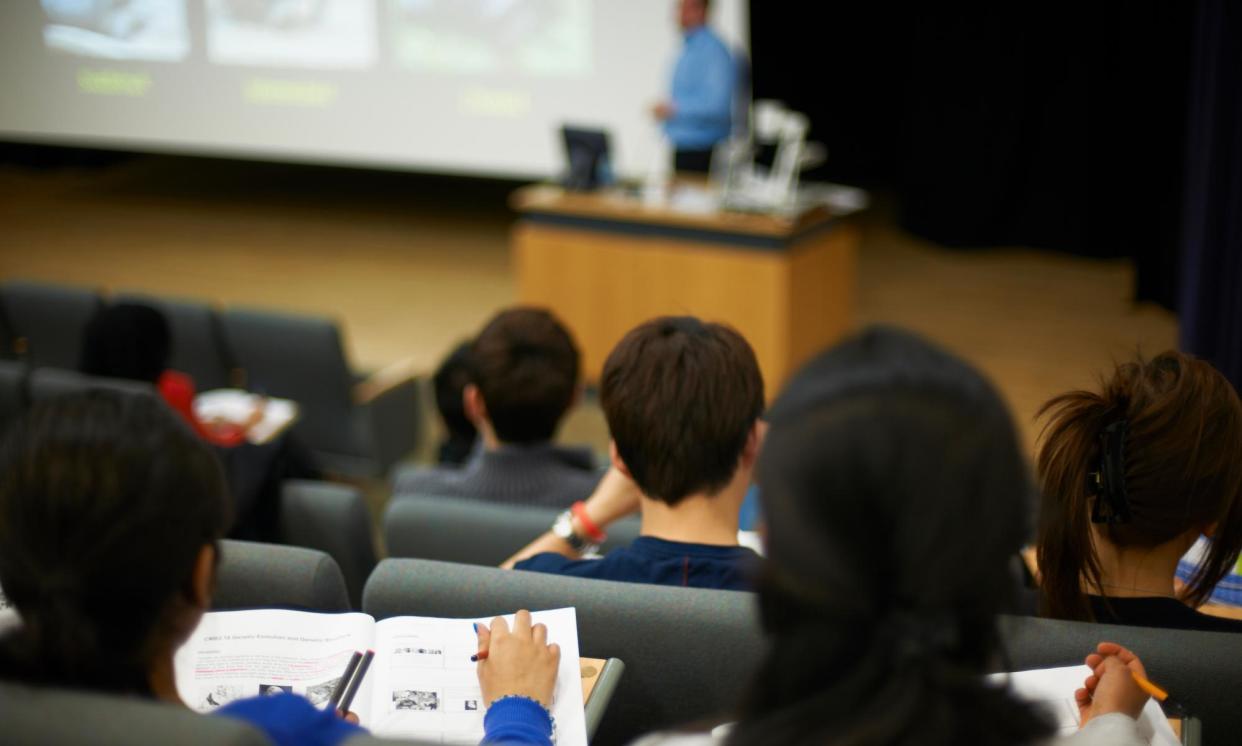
point(697, 519)
point(163, 679)
point(1135, 572)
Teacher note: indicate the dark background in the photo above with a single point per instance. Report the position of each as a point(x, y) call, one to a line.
point(1051, 125)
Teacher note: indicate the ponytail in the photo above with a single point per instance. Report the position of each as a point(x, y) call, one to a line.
point(1173, 430)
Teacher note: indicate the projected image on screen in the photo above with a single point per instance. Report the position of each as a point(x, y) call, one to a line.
point(321, 34)
point(118, 29)
point(537, 37)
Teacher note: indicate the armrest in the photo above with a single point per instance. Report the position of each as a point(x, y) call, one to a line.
point(393, 420)
point(385, 380)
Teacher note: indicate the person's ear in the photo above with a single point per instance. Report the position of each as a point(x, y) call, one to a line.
point(614, 456)
point(472, 402)
point(203, 580)
point(754, 443)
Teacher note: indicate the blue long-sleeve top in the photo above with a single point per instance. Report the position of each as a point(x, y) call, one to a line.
point(703, 87)
point(517, 720)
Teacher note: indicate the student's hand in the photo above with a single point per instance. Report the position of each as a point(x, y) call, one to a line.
point(348, 717)
point(615, 497)
point(519, 661)
point(1111, 686)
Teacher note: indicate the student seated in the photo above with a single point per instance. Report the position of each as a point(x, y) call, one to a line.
point(111, 510)
point(133, 341)
point(523, 380)
point(449, 382)
point(893, 495)
point(1131, 476)
point(682, 398)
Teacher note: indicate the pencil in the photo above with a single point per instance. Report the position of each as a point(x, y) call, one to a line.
point(479, 656)
point(343, 682)
point(1158, 694)
point(357, 682)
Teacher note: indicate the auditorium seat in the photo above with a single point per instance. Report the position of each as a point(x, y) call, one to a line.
point(197, 344)
point(472, 531)
point(46, 383)
point(251, 574)
point(332, 518)
point(31, 716)
point(47, 320)
point(12, 391)
point(355, 429)
point(688, 652)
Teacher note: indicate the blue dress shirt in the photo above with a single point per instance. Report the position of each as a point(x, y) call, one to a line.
point(703, 86)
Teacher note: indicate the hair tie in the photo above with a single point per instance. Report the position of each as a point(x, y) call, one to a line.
point(921, 635)
point(1112, 503)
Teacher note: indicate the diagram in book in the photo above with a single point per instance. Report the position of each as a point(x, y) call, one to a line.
point(318, 694)
point(219, 695)
point(271, 690)
point(416, 700)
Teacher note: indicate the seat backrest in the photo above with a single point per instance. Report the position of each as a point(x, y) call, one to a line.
point(689, 653)
point(34, 716)
point(473, 532)
point(47, 383)
point(298, 358)
point(1203, 670)
point(252, 574)
point(197, 344)
point(334, 519)
point(12, 391)
point(50, 318)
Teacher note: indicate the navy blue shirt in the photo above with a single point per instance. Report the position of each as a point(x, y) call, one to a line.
point(651, 560)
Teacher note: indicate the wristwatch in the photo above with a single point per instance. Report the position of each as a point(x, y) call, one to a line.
point(563, 529)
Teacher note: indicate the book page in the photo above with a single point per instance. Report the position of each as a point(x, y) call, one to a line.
point(239, 654)
point(267, 417)
point(426, 688)
point(1055, 687)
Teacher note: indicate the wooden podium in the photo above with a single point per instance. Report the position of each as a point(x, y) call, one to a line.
point(605, 262)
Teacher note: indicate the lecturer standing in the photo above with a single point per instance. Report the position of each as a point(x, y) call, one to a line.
point(698, 113)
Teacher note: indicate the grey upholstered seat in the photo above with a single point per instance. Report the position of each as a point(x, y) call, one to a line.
point(46, 383)
point(48, 320)
point(301, 358)
point(251, 574)
point(332, 518)
point(197, 344)
point(688, 652)
point(32, 716)
point(472, 531)
point(12, 391)
point(1201, 669)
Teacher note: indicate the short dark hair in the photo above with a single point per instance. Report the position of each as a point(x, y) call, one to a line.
point(106, 500)
point(449, 381)
point(126, 340)
point(525, 364)
point(681, 396)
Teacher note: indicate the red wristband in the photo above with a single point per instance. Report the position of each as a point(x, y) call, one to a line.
point(594, 533)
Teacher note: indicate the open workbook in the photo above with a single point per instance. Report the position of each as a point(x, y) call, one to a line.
point(421, 684)
point(1054, 689)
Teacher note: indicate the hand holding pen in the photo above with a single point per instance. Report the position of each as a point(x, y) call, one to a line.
point(516, 662)
point(1118, 683)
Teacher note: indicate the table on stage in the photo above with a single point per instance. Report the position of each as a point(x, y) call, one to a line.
point(607, 261)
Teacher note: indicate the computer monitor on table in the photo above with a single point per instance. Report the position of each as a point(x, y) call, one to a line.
point(586, 151)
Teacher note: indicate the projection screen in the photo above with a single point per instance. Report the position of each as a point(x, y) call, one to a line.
point(465, 86)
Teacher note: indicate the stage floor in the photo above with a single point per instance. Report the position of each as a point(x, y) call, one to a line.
point(411, 264)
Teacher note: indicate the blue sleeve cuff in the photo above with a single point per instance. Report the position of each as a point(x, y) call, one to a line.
point(517, 720)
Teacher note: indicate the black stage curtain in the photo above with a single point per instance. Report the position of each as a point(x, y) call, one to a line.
point(1042, 124)
point(1211, 310)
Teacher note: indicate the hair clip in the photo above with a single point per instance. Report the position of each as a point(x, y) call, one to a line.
point(1112, 504)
